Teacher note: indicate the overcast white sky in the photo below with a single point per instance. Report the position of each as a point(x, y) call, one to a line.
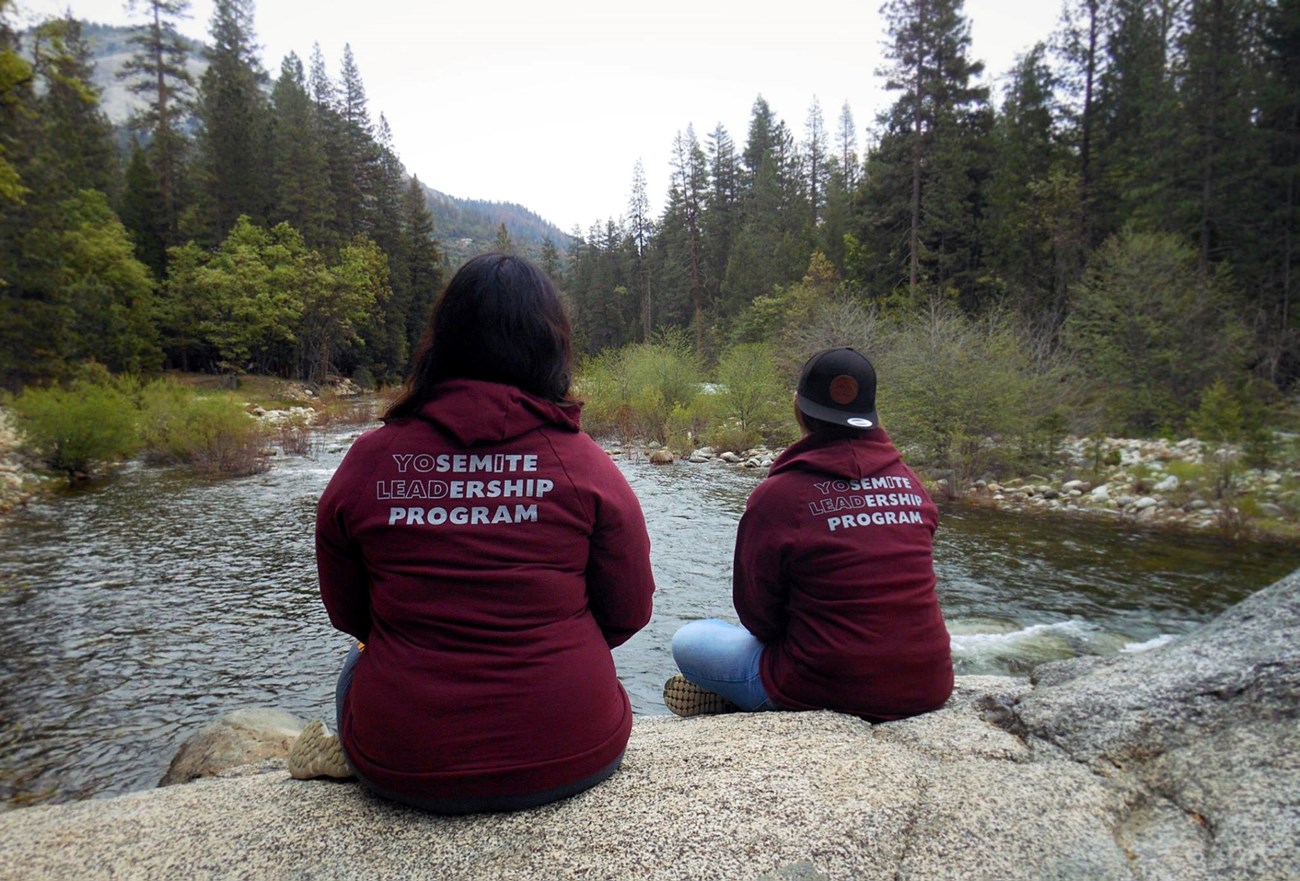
point(550, 104)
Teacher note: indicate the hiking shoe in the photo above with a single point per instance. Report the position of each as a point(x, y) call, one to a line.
point(685, 698)
point(317, 753)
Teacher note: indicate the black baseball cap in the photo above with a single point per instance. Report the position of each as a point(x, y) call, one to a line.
point(839, 386)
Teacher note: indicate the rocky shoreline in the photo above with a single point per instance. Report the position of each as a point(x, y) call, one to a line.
point(1157, 484)
point(1174, 764)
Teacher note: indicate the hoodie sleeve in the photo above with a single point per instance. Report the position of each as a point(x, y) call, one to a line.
point(758, 588)
point(344, 580)
point(620, 583)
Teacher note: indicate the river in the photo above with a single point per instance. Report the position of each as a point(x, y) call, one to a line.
point(136, 609)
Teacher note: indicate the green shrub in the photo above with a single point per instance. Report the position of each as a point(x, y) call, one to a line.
point(753, 394)
point(731, 435)
point(967, 396)
point(636, 391)
point(212, 433)
point(79, 428)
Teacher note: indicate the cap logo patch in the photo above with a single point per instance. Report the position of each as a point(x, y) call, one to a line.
point(844, 389)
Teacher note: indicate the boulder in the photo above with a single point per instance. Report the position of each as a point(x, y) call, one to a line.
point(1175, 763)
point(242, 737)
point(1206, 729)
point(661, 457)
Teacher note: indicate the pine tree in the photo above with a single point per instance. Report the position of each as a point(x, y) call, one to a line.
point(422, 274)
point(552, 262)
point(1135, 124)
point(69, 107)
point(773, 236)
point(235, 124)
point(158, 71)
point(816, 155)
point(1279, 212)
point(846, 148)
point(299, 164)
point(639, 231)
point(388, 189)
point(1218, 84)
point(15, 77)
point(935, 125)
point(721, 209)
point(1037, 247)
point(143, 212)
point(689, 182)
point(358, 154)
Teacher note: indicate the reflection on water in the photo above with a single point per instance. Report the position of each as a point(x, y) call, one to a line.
point(136, 610)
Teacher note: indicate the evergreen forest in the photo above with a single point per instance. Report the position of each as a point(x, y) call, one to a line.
point(1107, 241)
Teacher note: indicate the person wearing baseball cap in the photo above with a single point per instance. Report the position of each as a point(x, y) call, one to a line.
point(833, 577)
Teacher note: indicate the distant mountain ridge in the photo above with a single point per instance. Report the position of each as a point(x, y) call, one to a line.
point(464, 226)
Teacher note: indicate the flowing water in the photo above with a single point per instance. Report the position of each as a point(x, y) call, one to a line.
point(137, 609)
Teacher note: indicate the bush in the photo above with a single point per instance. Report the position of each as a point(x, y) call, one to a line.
point(212, 433)
point(965, 395)
point(640, 391)
point(79, 428)
point(753, 393)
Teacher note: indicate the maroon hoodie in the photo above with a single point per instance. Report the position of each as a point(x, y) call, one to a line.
point(833, 571)
point(489, 555)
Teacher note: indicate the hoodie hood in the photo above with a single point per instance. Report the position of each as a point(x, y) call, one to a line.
point(476, 412)
point(842, 455)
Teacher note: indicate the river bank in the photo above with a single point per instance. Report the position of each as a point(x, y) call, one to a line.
point(287, 411)
point(1149, 484)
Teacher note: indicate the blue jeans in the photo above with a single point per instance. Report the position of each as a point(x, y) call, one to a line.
point(461, 805)
point(724, 659)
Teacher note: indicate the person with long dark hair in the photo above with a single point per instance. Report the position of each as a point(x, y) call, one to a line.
point(487, 555)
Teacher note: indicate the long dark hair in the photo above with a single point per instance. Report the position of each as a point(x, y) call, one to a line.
point(500, 320)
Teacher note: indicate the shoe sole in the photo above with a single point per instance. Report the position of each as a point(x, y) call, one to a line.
point(685, 698)
point(317, 753)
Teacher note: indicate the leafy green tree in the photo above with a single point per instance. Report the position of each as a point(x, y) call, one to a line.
point(969, 395)
point(356, 314)
point(1152, 330)
point(182, 310)
point(108, 292)
point(249, 295)
point(15, 76)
